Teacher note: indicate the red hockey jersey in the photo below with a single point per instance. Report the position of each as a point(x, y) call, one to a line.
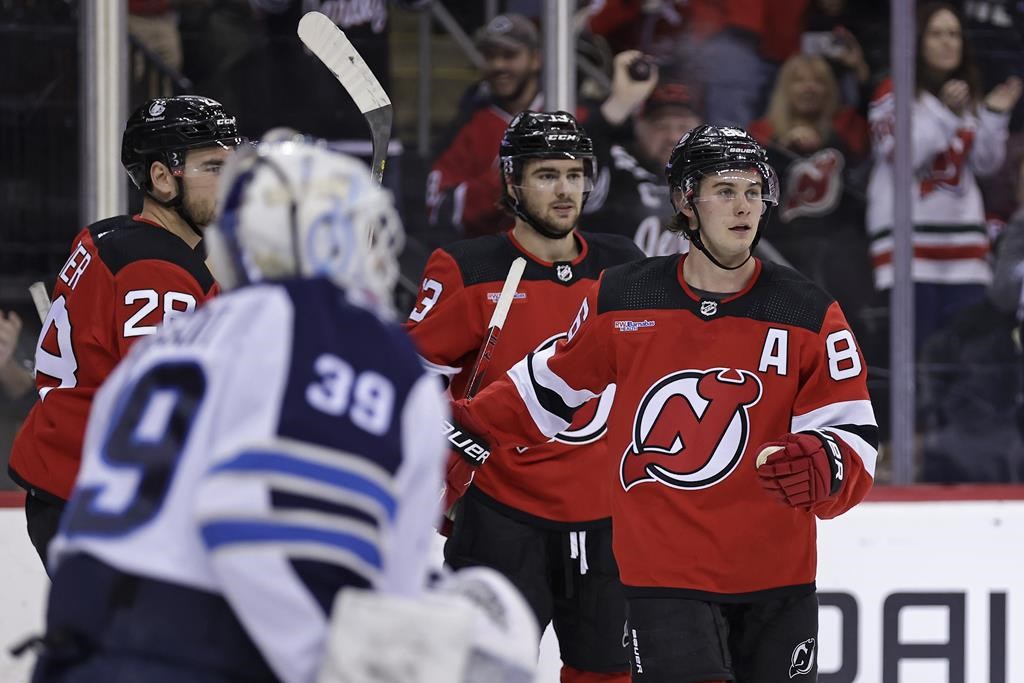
point(701, 384)
point(560, 482)
point(124, 277)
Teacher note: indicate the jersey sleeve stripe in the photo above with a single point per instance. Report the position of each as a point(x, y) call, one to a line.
point(216, 535)
point(438, 369)
point(550, 401)
point(838, 413)
point(270, 462)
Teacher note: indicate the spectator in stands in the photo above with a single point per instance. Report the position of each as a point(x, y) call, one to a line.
point(636, 203)
point(818, 147)
point(463, 193)
point(655, 28)
point(737, 47)
point(959, 133)
point(834, 30)
point(463, 188)
point(16, 384)
point(15, 380)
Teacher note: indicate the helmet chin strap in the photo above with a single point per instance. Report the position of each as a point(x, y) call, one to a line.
point(513, 202)
point(177, 204)
point(694, 236)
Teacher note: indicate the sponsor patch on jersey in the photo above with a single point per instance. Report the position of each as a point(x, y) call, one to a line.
point(493, 296)
point(632, 325)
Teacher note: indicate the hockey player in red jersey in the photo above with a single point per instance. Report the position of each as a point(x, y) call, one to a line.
point(125, 276)
point(721, 362)
point(538, 517)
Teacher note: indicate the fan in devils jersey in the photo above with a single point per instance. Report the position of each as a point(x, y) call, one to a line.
point(125, 276)
point(719, 360)
point(522, 516)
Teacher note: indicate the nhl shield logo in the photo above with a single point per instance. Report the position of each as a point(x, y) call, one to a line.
point(564, 272)
point(708, 308)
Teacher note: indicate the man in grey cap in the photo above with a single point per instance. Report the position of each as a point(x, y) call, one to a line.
point(463, 187)
point(511, 50)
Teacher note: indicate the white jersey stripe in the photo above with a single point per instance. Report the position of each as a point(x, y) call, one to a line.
point(838, 413)
point(868, 453)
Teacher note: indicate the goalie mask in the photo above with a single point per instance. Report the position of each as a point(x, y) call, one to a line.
point(716, 151)
point(541, 135)
point(292, 208)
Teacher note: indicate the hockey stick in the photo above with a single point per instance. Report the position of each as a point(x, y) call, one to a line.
point(508, 293)
point(330, 45)
point(41, 299)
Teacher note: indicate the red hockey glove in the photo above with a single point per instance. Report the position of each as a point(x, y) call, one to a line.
point(469, 451)
point(801, 469)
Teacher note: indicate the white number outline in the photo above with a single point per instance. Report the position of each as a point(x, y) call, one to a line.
point(63, 367)
point(837, 355)
point(368, 398)
point(434, 289)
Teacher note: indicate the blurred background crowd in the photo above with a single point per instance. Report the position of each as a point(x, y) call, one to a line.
point(810, 79)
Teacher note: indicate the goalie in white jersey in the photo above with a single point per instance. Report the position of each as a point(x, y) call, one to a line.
point(247, 463)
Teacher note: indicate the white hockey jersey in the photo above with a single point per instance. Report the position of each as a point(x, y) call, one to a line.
point(948, 152)
point(274, 447)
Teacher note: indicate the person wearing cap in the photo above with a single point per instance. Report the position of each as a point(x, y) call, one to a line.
point(125, 276)
point(464, 191)
point(636, 204)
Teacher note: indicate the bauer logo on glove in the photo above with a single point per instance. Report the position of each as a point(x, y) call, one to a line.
point(469, 446)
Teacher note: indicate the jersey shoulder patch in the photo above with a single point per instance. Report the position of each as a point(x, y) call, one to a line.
point(483, 259)
point(784, 296)
point(122, 241)
point(649, 283)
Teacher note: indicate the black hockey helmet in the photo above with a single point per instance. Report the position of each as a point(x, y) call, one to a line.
point(163, 129)
point(707, 150)
point(543, 135)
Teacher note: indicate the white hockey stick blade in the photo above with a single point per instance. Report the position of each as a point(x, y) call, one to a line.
point(508, 292)
point(332, 47)
point(41, 299)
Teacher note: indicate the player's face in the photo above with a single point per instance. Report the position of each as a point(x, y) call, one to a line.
point(552, 192)
point(730, 208)
point(656, 136)
point(509, 70)
point(201, 176)
point(942, 43)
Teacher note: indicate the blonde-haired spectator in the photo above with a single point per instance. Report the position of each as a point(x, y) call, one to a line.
point(818, 147)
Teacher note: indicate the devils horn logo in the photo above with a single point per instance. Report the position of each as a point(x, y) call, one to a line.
point(802, 659)
point(691, 428)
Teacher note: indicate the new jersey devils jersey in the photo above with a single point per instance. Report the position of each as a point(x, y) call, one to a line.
point(558, 482)
point(125, 276)
point(701, 384)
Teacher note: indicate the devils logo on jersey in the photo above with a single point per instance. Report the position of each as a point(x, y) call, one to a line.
point(691, 428)
point(813, 185)
point(947, 168)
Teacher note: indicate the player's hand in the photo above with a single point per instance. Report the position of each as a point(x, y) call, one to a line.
point(469, 452)
point(801, 469)
point(10, 328)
